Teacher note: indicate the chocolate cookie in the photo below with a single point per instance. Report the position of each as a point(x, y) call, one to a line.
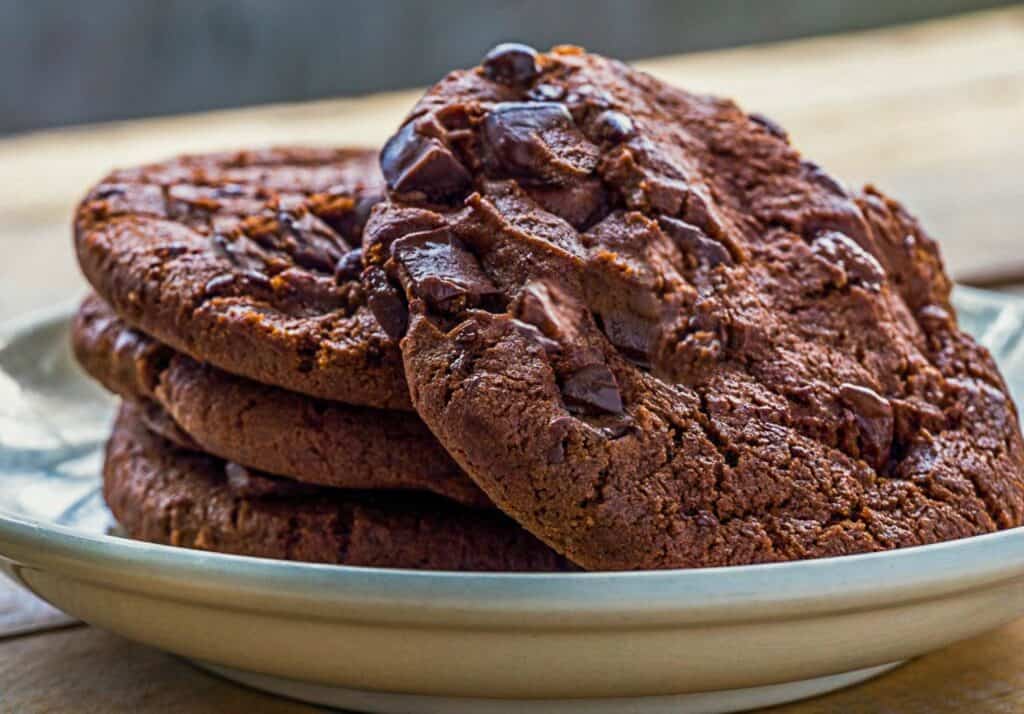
point(284, 433)
point(248, 261)
point(658, 337)
point(166, 495)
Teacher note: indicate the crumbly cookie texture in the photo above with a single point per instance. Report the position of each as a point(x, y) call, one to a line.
point(200, 407)
point(166, 495)
point(657, 336)
point(249, 261)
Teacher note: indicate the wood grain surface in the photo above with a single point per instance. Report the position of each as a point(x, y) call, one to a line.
point(931, 113)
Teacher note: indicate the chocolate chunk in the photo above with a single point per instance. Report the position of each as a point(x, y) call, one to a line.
point(412, 162)
point(538, 140)
point(108, 191)
point(560, 427)
point(581, 203)
point(593, 388)
point(385, 303)
point(230, 190)
point(543, 306)
point(934, 318)
point(824, 179)
point(546, 93)
point(441, 269)
point(874, 417)
point(533, 333)
point(511, 63)
point(615, 127)
point(631, 333)
point(769, 125)
point(349, 266)
point(351, 225)
point(691, 240)
point(230, 283)
point(861, 268)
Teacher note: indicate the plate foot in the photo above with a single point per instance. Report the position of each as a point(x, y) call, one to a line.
point(730, 700)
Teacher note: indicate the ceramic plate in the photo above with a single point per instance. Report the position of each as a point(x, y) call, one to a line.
point(401, 641)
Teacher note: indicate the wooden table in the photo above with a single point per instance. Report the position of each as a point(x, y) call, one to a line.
point(932, 113)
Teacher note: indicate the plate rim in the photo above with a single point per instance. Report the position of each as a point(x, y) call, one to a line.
point(435, 598)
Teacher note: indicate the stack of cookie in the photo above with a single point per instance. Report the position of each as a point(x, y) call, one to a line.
point(636, 323)
point(263, 411)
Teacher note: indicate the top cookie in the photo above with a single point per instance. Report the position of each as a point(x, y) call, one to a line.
point(658, 337)
point(248, 261)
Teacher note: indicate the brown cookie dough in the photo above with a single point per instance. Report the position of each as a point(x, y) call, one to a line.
point(166, 495)
point(657, 336)
point(267, 428)
point(248, 261)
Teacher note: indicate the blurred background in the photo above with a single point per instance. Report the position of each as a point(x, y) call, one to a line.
point(75, 62)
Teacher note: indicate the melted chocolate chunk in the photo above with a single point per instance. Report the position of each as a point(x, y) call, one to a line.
point(441, 269)
point(538, 140)
point(692, 241)
point(592, 389)
point(412, 163)
point(349, 266)
point(874, 416)
point(615, 127)
point(385, 303)
point(511, 63)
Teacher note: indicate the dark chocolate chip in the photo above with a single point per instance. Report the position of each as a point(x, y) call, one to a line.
point(108, 191)
point(442, 270)
point(935, 317)
point(824, 179)
point(538, 140)
point(588, 95)
point(349, 266)
point(230, 190)
point(351, 226)
point(250, 281)
point(593, 388)
point(691, 240)
point(631, 334)
point(172, 250)
point(412, 162)
point(511, 63)
point(385, 303)
point(615, 127)
point(539, 305)
point(860, 266)
point(874, 417)
point(769, 125)
point(581, 203)
point(532, 333)
point(560, 427)
point(701, 212)
point(546, 93)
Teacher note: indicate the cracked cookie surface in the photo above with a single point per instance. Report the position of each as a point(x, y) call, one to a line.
point(166, 495)
point(202, 408)
point(657, 336)
point(248, 261)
